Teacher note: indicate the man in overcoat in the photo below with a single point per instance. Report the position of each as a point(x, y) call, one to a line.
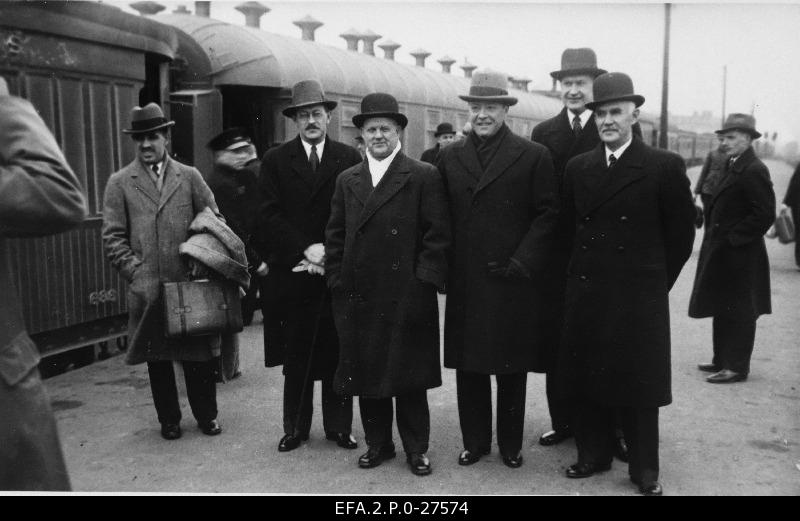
point(732, 282)
point(296, 185)
point(627, 215)
point(39, 195)
point(148, 207)
point(792, 202)
point(502, 194)
point(445, 134)
point(385, 246)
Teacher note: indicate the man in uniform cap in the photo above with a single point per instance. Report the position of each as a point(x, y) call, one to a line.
point(386, 245)
point(445, 134)
point(296, 185)
point(502, 193)
point(234, 185)
point(147, 209)
point(627, 218)
point(732, 284)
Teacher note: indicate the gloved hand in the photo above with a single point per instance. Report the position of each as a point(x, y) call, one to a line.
point(513, 270)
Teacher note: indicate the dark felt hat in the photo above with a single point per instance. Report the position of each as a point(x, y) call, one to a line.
point(575, 62)
point(379, 105)
point(490, 87)
point(613, 86)
point(307, 93)
point(444, 128)
point(743, 122)
point(229, 139)
point(146, 119)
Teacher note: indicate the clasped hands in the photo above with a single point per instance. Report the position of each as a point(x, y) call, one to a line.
point(314, 261)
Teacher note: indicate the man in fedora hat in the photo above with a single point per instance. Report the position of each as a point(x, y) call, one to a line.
point(296, 185)
point(234, 185)
point(386, 245)
point(504, 209)
point(627, 218)
point(571, 132)
point(732, 283)
point(445, 134)
point(147, 209)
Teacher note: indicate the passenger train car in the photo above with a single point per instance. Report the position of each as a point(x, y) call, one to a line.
point(84, 65)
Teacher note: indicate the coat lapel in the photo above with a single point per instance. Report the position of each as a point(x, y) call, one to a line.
point(730, 177)
point(327, 169)
point(300, 165)
point(507, 153)
point(360, 183)
point(627, 170)
point(468, 157)
point(171, 182)
point(395, 178)
point(143, 182)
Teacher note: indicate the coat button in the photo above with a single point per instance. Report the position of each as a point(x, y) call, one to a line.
point(394, 231)
point(620, 248)
point(623, 218)
point(587, 219)
point(584, 247)
point(396, 266)
point(583, 278)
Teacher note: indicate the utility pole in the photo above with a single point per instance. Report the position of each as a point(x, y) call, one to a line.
point(663, 138)
point(724, 92)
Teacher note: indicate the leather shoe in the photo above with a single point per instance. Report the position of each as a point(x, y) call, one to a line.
point(289, 442)
point(171, 431)
point(726, 376)
point(211, 428)
point(375, 456)
point(554, 437)
point(419, 463)
point(709, 368)
point(513, 461)
point(345, 441)
point(584, 470)
point(653, 489)
point(621, 449)
point(467, 457)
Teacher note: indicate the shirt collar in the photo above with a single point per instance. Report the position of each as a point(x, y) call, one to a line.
point(320, 148)
point(618, 152)
point(584, 117)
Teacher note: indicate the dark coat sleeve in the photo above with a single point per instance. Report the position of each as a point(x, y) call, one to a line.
point(335, 235)
point(761, 212)
point(39, 193)
point(792, 198)
point(678, 215)
point(435, 230)
point(703, 173)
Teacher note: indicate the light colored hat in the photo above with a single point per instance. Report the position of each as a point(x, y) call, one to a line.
point(489, 86)
point(146, 119)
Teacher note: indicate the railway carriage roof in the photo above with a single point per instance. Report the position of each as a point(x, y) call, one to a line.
point(247, 56)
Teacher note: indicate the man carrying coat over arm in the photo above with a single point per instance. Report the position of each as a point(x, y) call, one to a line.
point(628, 217)
point(385, 259)
point(502, 194)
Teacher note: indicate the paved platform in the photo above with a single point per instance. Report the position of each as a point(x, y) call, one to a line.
point(715, 439)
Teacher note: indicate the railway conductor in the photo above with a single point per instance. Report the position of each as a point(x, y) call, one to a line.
point(503, 206)
point(147, 209)
point(39, 195)
point(296, 185)
point(627, 215)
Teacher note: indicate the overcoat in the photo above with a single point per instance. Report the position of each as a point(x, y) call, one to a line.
point(493, 324)
point(386, 257)
point(430, 155)
point(142, 231)
point(295, 207)
point(732, 278)
point(631, 229)
point(39, 195)
point(792, 200)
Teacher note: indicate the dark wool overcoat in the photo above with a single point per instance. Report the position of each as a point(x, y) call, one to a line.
point(39, 195)
point(733, 269)
point(493, 325)
point(631, 230)
point(386, 257)
point(295, 207)
point(142, 230)
point(792, 200)
point(431, 155)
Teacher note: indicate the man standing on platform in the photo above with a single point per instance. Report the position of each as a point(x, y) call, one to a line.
point(444, 136)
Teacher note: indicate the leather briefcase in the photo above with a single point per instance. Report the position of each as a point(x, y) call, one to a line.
point(785, 227)
point(201, 307)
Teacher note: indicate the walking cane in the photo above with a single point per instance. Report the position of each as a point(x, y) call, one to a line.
point(310, 363)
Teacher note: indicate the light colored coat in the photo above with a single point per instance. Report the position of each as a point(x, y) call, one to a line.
point(142, 231)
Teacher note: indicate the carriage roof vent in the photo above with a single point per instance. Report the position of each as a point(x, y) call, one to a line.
point(389, 47)
point(147, 8)
point(369, 38)
point(520, 83)
point(420, 55)
point(351, 36)
point(468, 67)
point(202, 9)
point(446, 62)
point(308, 24)
point(182, 9)
point(253, 11)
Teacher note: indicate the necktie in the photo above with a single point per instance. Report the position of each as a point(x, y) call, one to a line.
point(313, 158)
point(159, 177)
point(612, 160)
point(576, 126)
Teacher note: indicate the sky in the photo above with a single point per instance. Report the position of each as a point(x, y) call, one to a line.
point(759, 43)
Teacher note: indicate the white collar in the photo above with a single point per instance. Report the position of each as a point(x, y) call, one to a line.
point(378, 167)
point(320, 148)
point(618, 152)
point(584, 117)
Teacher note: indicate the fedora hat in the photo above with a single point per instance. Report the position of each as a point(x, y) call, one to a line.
point(576, 62)
point(444, 128)
point(229, 139)
point(307, 93)
point(613, 86)
point(489, 86)
point(146, 119)
point(743, 122)
point(379, 105)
